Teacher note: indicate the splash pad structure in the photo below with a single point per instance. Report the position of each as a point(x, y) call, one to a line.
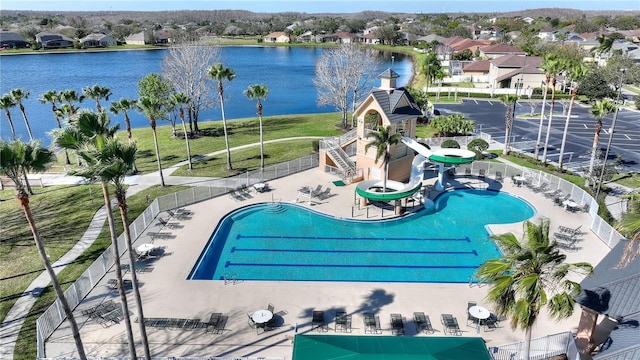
point(395, 190)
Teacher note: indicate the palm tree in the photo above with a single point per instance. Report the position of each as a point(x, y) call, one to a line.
point(153, 109)
point(70, 97)
point(123, 106)
point(181, 99)
point(599, 110)
point(629, 226)
point(220, 73)
point(12, 164)
point(259, 93)
point(577, 72)
point(6, 103)
point(604, 45)
point(18, 95)
point(382, 140)
point(97, 93)
point(531, 274)
point(552, 65)
point(544, 102)
point(52, 97)
point(88, 134)
point(509, 101)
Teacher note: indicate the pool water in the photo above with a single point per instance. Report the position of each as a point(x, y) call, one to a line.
point(286, 242)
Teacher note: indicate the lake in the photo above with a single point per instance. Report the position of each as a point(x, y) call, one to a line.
point(286, 71)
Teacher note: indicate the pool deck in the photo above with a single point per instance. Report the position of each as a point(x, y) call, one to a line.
point(166, 292)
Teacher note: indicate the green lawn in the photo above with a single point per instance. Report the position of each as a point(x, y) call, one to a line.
point(241, 132)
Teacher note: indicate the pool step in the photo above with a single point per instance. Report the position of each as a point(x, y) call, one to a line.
point(275, 208)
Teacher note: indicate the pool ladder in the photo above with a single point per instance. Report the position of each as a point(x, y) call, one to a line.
point(233, 280)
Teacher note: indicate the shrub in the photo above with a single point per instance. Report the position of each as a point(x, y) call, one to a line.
point(450, 144)
point(478, 146)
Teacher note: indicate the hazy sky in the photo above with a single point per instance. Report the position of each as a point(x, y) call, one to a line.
point(313, 6)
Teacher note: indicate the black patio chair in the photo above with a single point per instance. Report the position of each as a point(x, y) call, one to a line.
point(397, 324)
point(317, 320)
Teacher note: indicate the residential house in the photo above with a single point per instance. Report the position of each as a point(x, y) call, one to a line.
point(613, 293)
point(477, 71)
point(497, 50)
point(12, 40)
point(306, 36)
point(161, 37)
point(276, 37)
point(140, 38)
point(53, 41)
point(516, 72)
point(346, 38)
point(97, 40)
point(370, 39)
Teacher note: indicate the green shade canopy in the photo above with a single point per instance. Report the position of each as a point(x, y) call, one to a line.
point(344, 347)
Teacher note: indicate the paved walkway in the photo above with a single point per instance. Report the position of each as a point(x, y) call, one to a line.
point(12, 323)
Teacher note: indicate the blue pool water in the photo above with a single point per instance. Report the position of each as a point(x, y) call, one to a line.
point(287, 242)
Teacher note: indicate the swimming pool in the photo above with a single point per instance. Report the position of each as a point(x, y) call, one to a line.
point(287, 242)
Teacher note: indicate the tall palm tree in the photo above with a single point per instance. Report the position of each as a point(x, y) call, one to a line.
point(52, 97)
point(6, 103)
point(382, 140)
point(509, 101)
point(544, 101)
point(12, 164)
point(577, 71)
point(599, 110)
point(18, 95)
point(531, 275)
point(71, 97)
point(97, 93)
point(181, 99)
point(259, 93)
point(123, 106)
point(220, 73)
point(153, 109)
point(554, 66)
point(88, 134)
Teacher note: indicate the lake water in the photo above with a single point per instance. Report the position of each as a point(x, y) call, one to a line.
point(287, 72)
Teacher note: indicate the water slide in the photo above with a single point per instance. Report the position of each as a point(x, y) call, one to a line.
point(372, 189)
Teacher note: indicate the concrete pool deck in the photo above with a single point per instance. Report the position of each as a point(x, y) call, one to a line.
point(166, 292)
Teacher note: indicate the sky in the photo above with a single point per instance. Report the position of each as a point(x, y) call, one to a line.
point(315, 6)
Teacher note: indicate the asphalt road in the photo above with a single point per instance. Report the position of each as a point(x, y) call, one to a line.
point(490, 118)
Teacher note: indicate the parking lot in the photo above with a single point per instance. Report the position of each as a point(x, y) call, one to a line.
point(490, 118)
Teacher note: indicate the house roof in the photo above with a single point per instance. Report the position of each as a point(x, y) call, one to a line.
point(397, 104)
point(334, 347)
point(477, 66)
point(11, 36)
point(502, 48)
point(276, 34)
point(515, 61)
point(613, 290)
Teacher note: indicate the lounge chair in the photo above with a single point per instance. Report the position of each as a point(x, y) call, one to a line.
point(214, 319)
point(165, 223)
point(342, 322)
point(369, 322)
point(397, 324)
point(423, 323)
point(450, 325)
point(564, 236)
point(552, 194)
point(317, 320)
point(570, 231)
point(540, 188)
